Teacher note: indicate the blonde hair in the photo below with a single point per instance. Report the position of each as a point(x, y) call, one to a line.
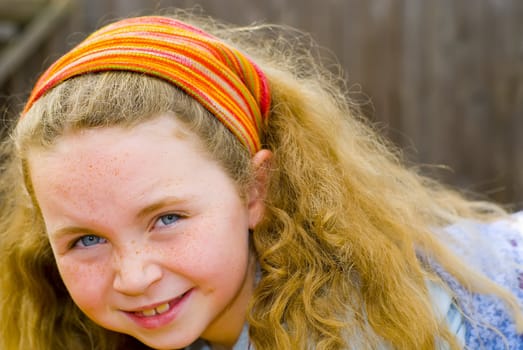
point(338, 248)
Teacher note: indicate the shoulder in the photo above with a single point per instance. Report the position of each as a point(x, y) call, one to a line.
point(496, 250)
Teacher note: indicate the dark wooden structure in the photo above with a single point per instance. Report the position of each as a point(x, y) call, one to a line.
point(443, 78)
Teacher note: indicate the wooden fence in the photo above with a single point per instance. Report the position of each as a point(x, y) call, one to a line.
point(443, 78)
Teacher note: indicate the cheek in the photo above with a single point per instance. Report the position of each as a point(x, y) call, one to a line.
point(214, 256)
point(86, 283)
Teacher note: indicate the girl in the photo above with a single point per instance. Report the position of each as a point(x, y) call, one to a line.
point(169, 188)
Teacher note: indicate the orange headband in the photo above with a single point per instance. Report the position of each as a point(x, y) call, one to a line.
point(222, 79)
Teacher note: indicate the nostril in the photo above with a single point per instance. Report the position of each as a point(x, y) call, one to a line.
point(134, 275)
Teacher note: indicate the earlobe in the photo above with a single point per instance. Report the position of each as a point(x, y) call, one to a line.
point(261, 162)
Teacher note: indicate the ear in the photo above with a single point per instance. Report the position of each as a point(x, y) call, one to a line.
point(261, 163)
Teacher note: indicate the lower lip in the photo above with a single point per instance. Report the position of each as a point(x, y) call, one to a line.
point(161, 320)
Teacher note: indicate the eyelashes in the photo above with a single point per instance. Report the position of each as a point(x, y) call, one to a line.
point(89, 241)
point(167, 220)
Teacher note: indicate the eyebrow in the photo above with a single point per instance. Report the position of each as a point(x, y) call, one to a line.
point(165, 202)
point(151, 208)
point(71, 231)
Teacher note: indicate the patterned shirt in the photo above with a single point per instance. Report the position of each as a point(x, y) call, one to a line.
point(495, 249)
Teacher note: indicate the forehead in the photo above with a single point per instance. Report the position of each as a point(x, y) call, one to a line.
point(125, 155)
point(94, 146)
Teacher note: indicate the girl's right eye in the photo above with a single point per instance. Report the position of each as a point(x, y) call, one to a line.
point(89, 241)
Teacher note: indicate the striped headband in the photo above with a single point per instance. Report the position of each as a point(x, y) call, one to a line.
point(221, 78)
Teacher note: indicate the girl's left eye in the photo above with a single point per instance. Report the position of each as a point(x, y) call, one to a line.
point(167, 220)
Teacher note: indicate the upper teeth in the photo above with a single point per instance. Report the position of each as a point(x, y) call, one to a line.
point(156, 311)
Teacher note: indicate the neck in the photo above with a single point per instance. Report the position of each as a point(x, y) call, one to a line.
point(220, 347)
point(225, 331)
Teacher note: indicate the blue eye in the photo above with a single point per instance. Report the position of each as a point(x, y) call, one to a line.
point(167, 220)
point(90, 240)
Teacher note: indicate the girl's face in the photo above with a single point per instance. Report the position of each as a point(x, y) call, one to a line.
point(150, 236)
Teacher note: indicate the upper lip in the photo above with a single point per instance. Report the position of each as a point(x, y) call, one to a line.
point(150, 306)
point(155, 305)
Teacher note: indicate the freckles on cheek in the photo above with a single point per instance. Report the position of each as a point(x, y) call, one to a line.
point(215, 258)
point(84, 279)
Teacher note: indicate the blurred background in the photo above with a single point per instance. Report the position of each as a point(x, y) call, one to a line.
point(443, 79)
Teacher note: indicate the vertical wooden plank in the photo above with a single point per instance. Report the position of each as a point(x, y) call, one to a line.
point(130, 7)
point(411, 82)
point(354, 19)
point(515, 182)
point(97, 12)
point(516, 114)
point(488, 94)
point(491, 156)
point(318, 24)
point(451, 72)
point(383, 61)
point(347, 21)
point(438, 129)
point(506, 57)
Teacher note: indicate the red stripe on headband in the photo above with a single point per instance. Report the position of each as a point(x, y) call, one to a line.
point(225, 81)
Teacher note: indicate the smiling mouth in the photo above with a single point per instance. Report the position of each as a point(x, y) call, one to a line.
point(160, 309)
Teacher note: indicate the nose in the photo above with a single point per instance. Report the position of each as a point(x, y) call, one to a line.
point(135, 272)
